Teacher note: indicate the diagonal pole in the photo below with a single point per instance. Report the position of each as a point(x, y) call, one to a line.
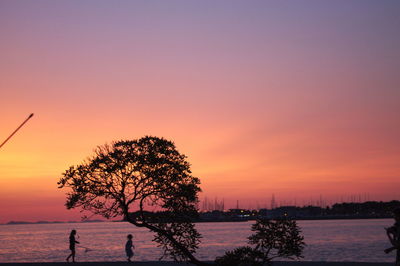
point(15, 131)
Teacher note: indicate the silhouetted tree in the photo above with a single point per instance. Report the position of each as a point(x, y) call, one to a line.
point(272, 239)
point(135, 175)
point(277, 239)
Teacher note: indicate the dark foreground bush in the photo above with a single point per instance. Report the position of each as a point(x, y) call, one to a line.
point(241, 256)
point(272, 239)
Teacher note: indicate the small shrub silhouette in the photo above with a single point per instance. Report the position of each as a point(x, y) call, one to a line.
point(272, 239)
point(242, 256)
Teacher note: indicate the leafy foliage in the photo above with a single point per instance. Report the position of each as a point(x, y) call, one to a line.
point(277, 238)
point(184, 232)
point(272, 239)
point(140, 175)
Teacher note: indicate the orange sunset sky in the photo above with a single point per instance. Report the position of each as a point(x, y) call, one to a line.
point(294, 98)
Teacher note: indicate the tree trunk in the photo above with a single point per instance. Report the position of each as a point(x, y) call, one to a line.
point(172, 239)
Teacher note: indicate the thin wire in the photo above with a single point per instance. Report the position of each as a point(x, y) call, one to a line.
point(15, 131)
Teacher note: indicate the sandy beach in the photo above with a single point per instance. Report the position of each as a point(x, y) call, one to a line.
point(167, 263)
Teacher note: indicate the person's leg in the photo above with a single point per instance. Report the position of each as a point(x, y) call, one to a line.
point(73, 255)
point(129, 254)
point(70, 255)
point(398, 257)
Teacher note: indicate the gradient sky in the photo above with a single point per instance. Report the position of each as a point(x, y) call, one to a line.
point(295, 98)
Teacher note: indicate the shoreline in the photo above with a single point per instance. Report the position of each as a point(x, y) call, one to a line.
point(227, 221)
point(170, 263)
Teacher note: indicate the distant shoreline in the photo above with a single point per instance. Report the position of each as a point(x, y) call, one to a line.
point(54, 222)
point(169, 263)
point(219, 221)
point(338, 211)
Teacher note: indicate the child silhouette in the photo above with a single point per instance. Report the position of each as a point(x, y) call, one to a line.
point(128, 247)
point(72, 242)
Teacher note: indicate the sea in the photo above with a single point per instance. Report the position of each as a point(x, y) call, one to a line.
point(327, 240)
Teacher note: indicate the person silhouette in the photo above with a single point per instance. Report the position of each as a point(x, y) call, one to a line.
point(72, 243)
point(393, 233)
point(128, 247)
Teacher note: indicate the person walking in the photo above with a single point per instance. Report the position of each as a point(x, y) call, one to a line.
point(128, 247)
point(72, 243)
point(393, 233)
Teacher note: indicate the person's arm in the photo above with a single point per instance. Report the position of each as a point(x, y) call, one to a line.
point(393, 240)
point(390, 235)
point(388, 250)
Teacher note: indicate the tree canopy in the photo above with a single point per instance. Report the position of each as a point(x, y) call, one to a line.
point(136, 176)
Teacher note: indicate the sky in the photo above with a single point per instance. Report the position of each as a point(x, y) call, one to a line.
point(300, 99)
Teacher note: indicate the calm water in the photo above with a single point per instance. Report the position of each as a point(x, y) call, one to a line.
point(329, 240)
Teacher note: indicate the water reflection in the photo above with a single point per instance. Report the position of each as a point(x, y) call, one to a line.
point(327, 240)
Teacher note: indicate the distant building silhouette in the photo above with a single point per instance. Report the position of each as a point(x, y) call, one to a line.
point(273, 202)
